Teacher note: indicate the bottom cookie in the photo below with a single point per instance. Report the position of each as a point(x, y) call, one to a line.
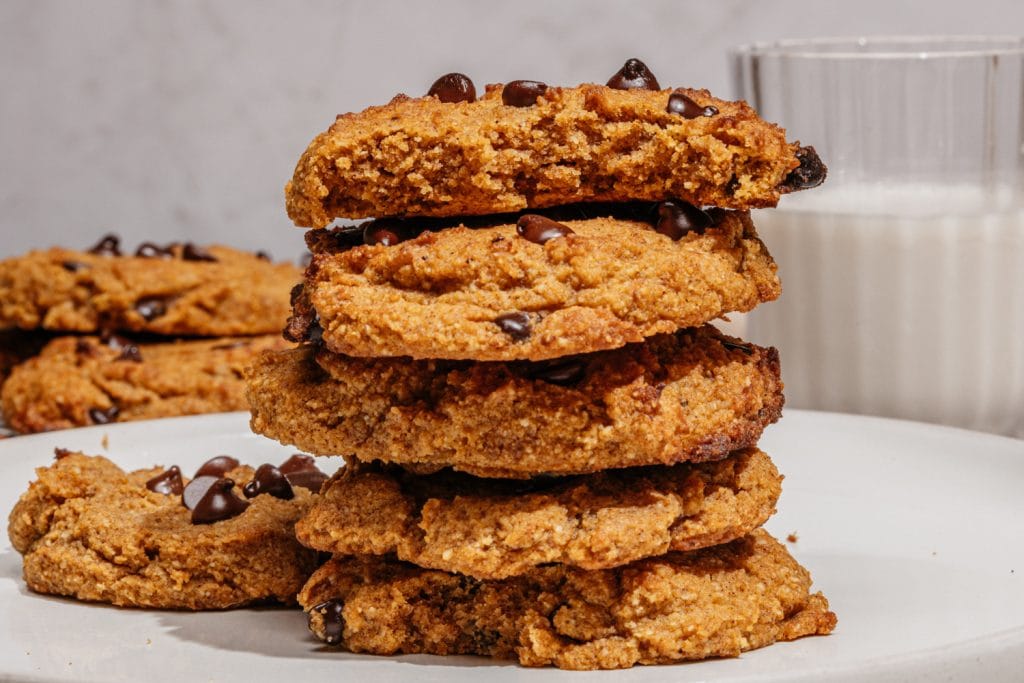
point(716, 602)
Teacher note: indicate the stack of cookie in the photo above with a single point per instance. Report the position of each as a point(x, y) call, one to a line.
point(551, 455)
point(194, 317)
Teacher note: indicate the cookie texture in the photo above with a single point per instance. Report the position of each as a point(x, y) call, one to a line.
point(490, 294)
point(227, 292)
point(716, 602)
point(494, 528)
point(90, 531)
point(78, 381)
point(695, 395)
point(425, 157)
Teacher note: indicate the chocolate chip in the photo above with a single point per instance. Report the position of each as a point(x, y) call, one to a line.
point(677, 218)
point(515, 325)
point(151, 308)
point(540, 229)
point(217, 466)
point(679, 103)
point(109, 245)
point(191, 252)
point(102, 417)
point(196, 489)
point(268, 479)
point(308, 479)
point(736, 346)
point(634, 75)
point(263, 256)
point(150, 250)
point(300, 462)
point(563, 372)
point(73, 266)
point(61, 453)
point(220, 502)
point(810, 173)
point(385, 233)
point(332, 614)
point(522, 93)
point(167, 482)
point(131, 353)
point(453, 87)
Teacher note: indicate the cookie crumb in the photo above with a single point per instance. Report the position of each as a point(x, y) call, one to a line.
point(792, 538)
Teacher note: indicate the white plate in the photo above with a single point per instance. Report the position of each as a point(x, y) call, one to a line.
point(914, 532)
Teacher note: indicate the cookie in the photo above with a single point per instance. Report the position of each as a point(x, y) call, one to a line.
point(497, 528)
point(90, 531)
point(716, 602)
point(528, 146)
point(173, 290)
point(493, 294)
point(78, 381)
point(695, 395)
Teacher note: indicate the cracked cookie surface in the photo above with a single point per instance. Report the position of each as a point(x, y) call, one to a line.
point(690, 396)
point(493, 529)
point(715, 602)
point(90, 531)
point(490, 294)
point(79, 381)
point(426, 157)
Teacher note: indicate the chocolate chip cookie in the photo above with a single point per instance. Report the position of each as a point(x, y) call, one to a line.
point(78, 381)
point(176, 289)
point(497, 528)
point(716, 602)
point(525, 144)
point(532, 289)
point(152, 538)
point(695, 395)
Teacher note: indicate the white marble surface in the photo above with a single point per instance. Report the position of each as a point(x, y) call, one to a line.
point(182, 120)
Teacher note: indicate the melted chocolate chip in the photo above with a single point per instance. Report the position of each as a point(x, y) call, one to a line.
point(167, 482)
point(522, 93)
point(332, 614)
point(191, 252)
point(540, 229)
point(453, 87)
point(737, 346)
point(515, 325)
point(268, 479)
point(563, 372)
point(109, 245)
point(385, 233)
point(679, 103)
point(307, 479)
point(810, 173)
point(219, 503)
point(263, 256)
point(102, 417)
point(196, 489)
point(677, 218)
point(217, 467)
point(73, 266)
point(300, 462)
point(150, 250)
point(151, 308)
point(634, 75)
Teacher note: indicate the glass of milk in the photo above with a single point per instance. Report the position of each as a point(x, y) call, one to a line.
point(903, 275)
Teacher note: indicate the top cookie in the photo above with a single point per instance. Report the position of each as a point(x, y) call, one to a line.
point(179, 289)
point(526, 145)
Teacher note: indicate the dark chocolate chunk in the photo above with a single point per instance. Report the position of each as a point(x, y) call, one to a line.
point(679, 103)
point(192, 252)
point(196, 489)
point(453, 87)
point(151, 308)
point(100, 416)
point(539, 229)
point(150, 250)
point(268, 479)
point(515, 325)
point(167, 482)
point(562, 371)
point(219, 503)
point(810, 173)
point(109, 245)
point(522, 93)
point(332, 614)
point(677, 218)
point(633, 75)
point(73, 266)
point(263, 256)
point(217, 467)
point(300, 462)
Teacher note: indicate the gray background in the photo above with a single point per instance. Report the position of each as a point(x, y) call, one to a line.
point(183, 120)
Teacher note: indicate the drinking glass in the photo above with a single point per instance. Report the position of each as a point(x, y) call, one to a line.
point(903, 275)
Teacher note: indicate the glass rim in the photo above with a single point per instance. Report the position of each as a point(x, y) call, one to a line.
point(903, 47)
